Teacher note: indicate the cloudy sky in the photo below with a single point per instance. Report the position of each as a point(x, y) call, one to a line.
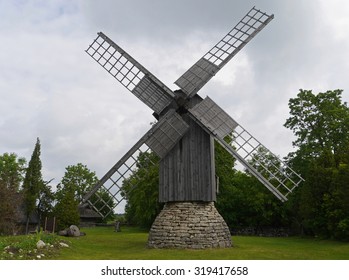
point(51, 89)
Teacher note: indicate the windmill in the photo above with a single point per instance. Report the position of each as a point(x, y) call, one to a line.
point(183, 138)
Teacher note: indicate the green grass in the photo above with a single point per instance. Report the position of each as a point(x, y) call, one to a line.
point(130, 244)
point(24, 247)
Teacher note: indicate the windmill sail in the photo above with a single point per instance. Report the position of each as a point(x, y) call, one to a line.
point(166, 133)
point(206, 67)
point(214, 118)
point(130, 73)
point(112, 182)
point(160, 139)
point(257, 159)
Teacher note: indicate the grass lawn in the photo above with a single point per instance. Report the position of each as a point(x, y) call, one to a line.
point(102, 243)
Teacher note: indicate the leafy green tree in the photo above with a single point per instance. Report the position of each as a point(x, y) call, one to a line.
point(324, 202)
point(228, 193)
point(45, 200)
point(12, 169)
point(11, 175)
point(321, 126)
point(242, 200)
point(142, 203)
point(33, 182)
point(337, 204)
point(78, 179)
point(249, 204)
point(66, 210)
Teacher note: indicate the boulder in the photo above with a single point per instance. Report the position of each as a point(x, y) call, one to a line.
point(40, 244)
point(73, 231)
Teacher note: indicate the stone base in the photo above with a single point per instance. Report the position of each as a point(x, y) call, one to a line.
point(192, 225)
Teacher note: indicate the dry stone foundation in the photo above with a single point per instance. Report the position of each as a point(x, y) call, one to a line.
point(192, 225)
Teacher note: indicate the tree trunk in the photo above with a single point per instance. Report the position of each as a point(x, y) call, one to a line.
point(27, 226)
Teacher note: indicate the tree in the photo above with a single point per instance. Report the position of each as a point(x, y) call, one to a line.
point(12, 169)
point(141, 191)
point(242, 200)
point(33, 182)
point(78, 179)
point(45, 200)
point(227, 191)
point(321, 126)
point(11, 176)
point(337, 204)
point(66, 210)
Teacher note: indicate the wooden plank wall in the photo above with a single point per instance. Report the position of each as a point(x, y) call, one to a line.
point(187, 173)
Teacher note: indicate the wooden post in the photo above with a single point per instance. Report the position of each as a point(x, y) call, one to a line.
point(117, 226)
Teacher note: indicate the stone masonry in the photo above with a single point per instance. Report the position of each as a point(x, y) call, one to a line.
point(191, 225)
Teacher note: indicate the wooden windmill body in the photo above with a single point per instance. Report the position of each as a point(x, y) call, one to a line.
point(187, 172)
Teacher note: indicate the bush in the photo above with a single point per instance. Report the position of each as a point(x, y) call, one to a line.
point(66, 211)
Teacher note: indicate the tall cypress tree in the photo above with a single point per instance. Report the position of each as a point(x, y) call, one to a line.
point(33, 183)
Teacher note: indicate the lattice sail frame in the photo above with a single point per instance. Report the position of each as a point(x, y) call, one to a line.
point(160, 139)
point(206, 67)
point(112, 182)
point(273, 173)
point(130, 73)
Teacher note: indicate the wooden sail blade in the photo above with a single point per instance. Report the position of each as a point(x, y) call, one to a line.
point(214, 117)
point(130, 73)
point(166, 133)
point(207, 66)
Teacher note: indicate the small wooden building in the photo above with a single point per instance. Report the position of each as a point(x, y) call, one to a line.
point(34, 221)
point(89, 217)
